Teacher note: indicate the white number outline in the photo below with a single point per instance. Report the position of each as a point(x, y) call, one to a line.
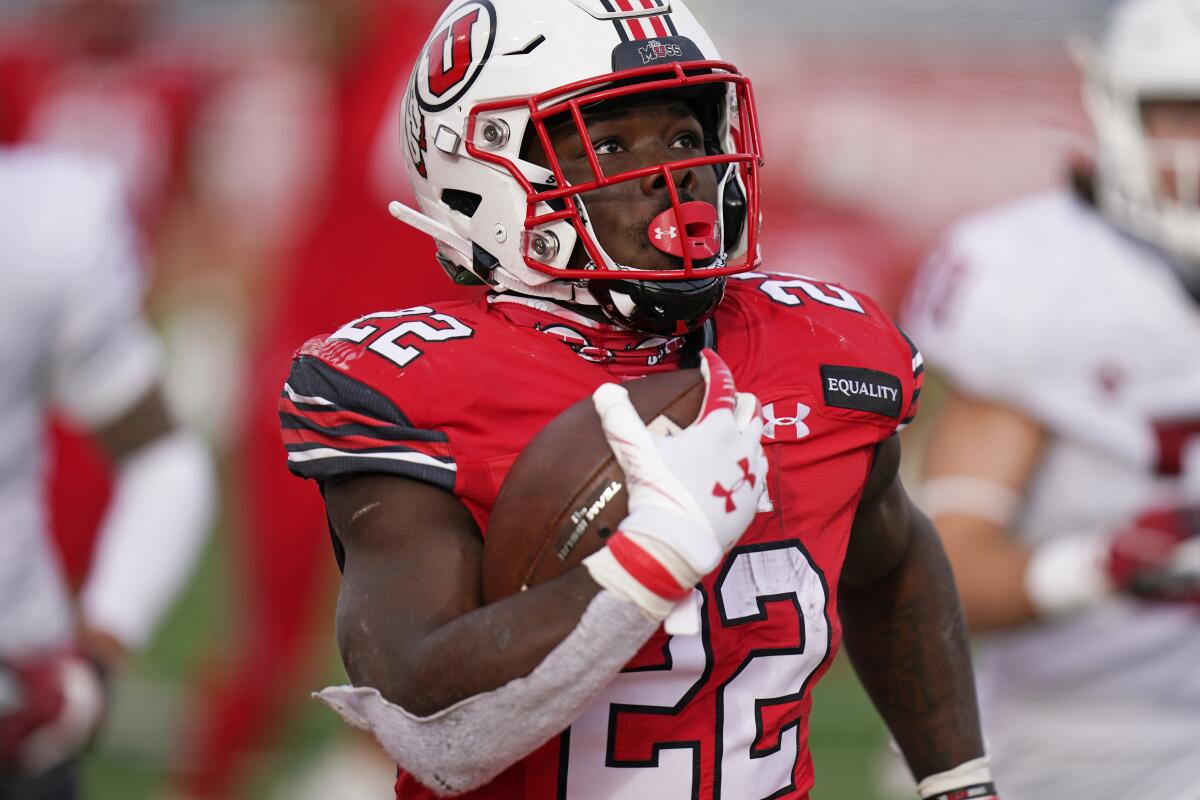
point(587, 779)
point(583, 775)
point(815, 629)
point(776, 286)
point(386, 346)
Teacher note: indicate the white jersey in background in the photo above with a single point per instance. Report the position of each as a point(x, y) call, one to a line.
point(1042, 306)
point(70, 339)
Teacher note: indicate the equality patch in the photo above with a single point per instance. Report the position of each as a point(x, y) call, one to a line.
point(862, 390)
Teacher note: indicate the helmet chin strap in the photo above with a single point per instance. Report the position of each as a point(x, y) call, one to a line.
point(659, 308)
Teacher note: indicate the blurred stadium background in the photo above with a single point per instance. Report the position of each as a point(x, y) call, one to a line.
point(883, 120)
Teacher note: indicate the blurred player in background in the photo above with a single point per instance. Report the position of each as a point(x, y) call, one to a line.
point(92, 76)
point(339, 261)
point(86, 76)
point(1064, 471)
point(76, 344)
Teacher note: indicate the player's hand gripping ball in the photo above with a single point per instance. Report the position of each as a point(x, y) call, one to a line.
point(568, 492)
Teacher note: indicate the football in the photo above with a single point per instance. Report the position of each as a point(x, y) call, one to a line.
point(565, 493)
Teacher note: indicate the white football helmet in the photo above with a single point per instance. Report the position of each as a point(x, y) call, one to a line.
point(489, 78)
point(1150, 51)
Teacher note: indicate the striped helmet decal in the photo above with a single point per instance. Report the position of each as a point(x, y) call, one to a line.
point(642, 27)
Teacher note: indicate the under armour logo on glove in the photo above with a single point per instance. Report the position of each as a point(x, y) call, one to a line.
point(670, 233)
point(747, 478)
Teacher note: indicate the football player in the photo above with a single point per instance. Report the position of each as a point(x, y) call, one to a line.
point(596, 164)
point(76, 343)
point(1064, 472)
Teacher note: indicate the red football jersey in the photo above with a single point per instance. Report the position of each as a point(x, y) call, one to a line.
point(450, 395)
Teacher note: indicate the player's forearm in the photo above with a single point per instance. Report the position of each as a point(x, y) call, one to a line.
point(467, 744)
point(475, 652)
point(906, 636)
point(990, 571)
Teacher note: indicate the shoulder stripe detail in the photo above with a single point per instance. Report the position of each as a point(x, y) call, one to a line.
point(298, 438)
point(314, 379)
point(340, 422)
point(918, 361)
point(306, 422)
point(911, 345)
point(412, 458)
point(334, 426)
point(302, 399)
point(328, 463)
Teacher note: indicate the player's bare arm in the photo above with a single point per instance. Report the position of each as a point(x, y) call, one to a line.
point(411, 620)
point(980, 457)
point(146, 420)
point(100, 369)
point(904, 628)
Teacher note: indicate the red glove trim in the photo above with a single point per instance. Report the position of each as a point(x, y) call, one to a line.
point(644, 568)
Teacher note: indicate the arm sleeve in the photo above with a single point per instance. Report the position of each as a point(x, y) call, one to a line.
point(152, 537)
point(334, 426)
point(469, 743)
point(104, 356)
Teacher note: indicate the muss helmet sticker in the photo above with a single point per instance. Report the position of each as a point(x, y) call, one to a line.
point(455, 54)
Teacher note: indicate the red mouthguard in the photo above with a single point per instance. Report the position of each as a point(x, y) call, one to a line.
point(696, 227)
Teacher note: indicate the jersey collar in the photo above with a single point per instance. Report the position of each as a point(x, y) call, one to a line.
point(622, 352)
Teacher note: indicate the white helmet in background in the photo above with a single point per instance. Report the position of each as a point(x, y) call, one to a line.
point(491, 75)
point(1150, 51)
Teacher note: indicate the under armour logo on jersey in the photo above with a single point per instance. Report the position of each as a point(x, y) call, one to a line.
point(747, 478)
point(784, 421)
point(670, 233)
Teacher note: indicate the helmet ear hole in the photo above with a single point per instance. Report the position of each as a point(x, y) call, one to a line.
point(465, 203)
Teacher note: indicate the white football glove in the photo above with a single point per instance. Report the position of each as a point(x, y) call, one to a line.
point(691, 495)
